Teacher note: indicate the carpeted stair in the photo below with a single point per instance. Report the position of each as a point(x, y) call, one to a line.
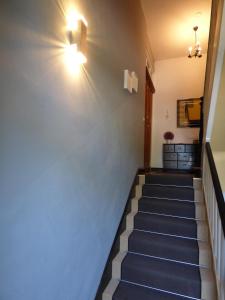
point(164, 252)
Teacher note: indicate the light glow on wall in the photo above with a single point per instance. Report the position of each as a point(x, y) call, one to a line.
point(73, 18)
point(74, 59)
point(76, 48)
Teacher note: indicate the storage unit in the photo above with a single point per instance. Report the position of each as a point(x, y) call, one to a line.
point(180, 156)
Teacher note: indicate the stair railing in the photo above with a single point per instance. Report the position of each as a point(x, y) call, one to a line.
point(216, 217)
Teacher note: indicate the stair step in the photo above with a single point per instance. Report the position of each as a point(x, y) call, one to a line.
point(179, 249)
point(199, 207)
point(171, 207)
point(164, 251)
point(170, 179)
point(160, 274)
point(131, 291)
point(161, 270)
point(166, 224)
point(182, 193)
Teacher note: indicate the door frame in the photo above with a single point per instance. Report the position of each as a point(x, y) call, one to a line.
point(149, 91)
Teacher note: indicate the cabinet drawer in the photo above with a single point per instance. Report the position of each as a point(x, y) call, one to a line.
point(185, 165)
point(186, 156)
point(190, 148)
point(170, 164)
point(179, 148)
point(168, 148)
point(170, 156)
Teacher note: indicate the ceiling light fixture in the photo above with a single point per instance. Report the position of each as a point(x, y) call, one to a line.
point(196, 50)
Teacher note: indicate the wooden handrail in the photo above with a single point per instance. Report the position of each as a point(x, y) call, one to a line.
point(217, 186)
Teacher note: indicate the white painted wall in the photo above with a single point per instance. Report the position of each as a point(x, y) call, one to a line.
point(178, 78)
point(218, 143)
point(212, 102)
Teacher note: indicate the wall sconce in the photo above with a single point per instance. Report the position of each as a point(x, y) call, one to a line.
point(77, 37)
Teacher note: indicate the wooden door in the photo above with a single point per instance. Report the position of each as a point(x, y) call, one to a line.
point(149, 91)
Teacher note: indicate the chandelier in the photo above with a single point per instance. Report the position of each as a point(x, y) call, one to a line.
point(196, 50)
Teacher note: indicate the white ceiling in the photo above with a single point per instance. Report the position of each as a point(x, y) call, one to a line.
point(170, 25)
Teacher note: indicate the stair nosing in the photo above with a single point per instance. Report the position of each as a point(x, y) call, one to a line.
point(169, 216)
point(172, 216)
point(159, 290)
point(172, 235)
point(168, 259)
point(171, 185)
point(170, 199)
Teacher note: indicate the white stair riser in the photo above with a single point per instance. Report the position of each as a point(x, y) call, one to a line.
point(208, 285)
point(116, 265)
point(141, 179)
point(197, 183)
point(205, 257)
point(130, 221)
point(198, 196)
point(202, 231)
point(138, 191)
point(124, 240)
point(110, 290)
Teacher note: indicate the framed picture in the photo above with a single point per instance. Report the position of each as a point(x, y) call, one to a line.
point(188, 112)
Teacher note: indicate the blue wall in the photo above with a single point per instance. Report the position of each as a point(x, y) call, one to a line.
point(69, 147)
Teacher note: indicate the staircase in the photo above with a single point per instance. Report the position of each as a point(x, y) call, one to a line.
point(164, 252)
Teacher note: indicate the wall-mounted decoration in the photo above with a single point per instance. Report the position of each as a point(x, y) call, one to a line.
point(127, 81)
point(130, 81)
point(188, 112)
point(134, 82)
point(168, 136)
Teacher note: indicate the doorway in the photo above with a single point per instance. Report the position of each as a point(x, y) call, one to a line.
point(149, 91)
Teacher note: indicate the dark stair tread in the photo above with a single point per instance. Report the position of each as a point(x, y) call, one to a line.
point(166, 224)
point(170, 179)
point(171, 192)
point(127, 291)
point(168, 247)
point(169, 207)
point(162, 274)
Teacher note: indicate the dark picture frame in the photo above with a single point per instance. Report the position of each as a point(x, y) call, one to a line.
point(188, 112)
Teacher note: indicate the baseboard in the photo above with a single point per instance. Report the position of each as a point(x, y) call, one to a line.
point(107, 273)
